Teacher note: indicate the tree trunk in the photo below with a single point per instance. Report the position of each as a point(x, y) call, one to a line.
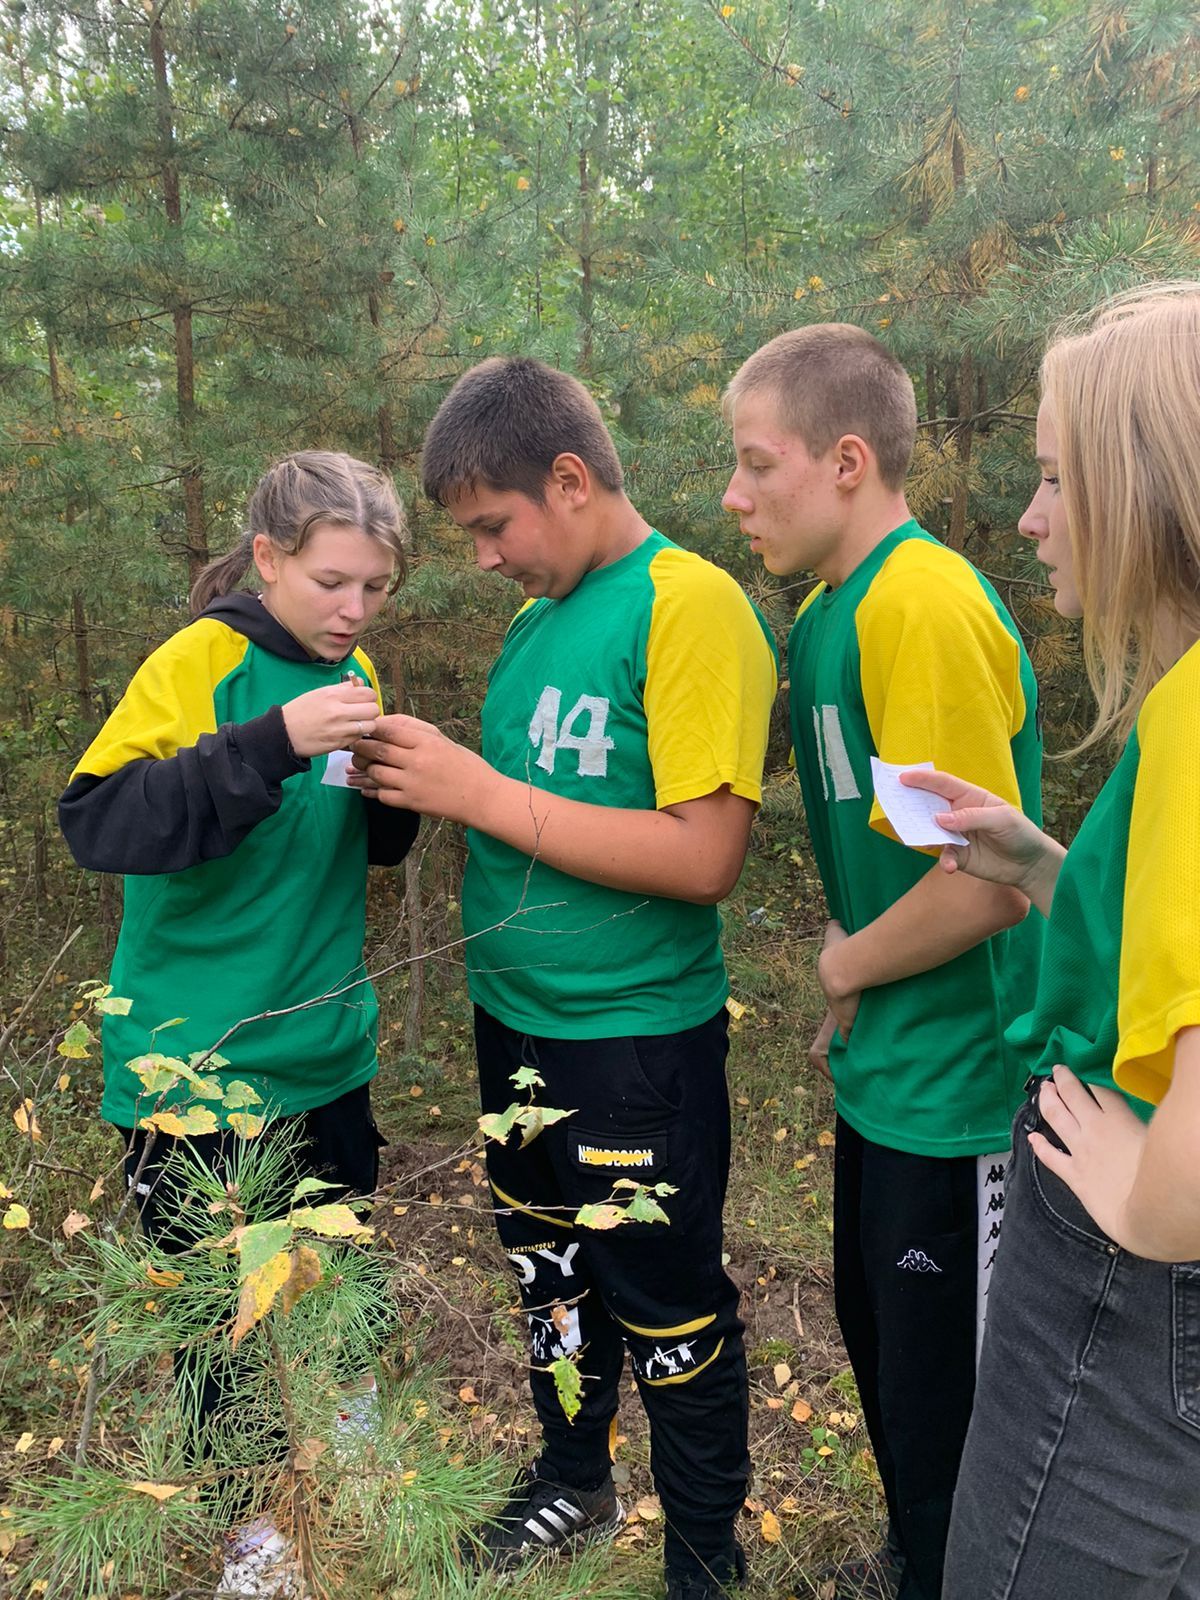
point(83, 669)
point(196, 533)
point(956, 535)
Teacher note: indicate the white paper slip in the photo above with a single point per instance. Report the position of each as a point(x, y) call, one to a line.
point(910, 811)
point(337, 764)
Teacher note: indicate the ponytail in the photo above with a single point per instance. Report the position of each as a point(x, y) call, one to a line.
point(222, 576)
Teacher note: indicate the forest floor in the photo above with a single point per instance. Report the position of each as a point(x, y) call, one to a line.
point(814, 1495)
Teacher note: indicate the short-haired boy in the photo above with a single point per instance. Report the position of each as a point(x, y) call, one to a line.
point(624, 731)
point(902, 651)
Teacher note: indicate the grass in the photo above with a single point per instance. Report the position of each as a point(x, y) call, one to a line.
point(459, 1417)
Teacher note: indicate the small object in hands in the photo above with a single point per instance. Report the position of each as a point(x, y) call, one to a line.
point(910, 811)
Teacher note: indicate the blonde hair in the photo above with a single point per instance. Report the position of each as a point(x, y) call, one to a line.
point(1124, 395)
point(295, 496)
point(831, 379)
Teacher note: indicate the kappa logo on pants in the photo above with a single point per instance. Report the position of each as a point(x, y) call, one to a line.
point(917, 1261)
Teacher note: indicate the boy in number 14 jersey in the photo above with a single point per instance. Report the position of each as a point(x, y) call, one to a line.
point(624, 731)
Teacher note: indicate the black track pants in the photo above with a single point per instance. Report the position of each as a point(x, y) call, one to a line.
point(652, 1109)
point(910, 1234)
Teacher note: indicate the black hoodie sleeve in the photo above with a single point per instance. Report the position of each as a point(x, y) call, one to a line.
point(167, 814)
point(390, 833)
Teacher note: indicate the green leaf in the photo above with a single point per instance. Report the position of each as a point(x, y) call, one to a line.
point(238, 1095)
point(311, 1185)
point(528, 1078)
point(259, 1242)
point(171, 1022)
point(534, 1118)
point(157, 1072)
point(114, 212)
point(75, 1041)
point(210, 1058)
point(643, 1207)
point(499, 1124)
point(114, 1005)
point(568, 1385)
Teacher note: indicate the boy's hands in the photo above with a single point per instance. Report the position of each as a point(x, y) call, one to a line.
point(842, 1000)
point(1003, 845)
point(330, 718)
point(411, 763)
point(818, 1050)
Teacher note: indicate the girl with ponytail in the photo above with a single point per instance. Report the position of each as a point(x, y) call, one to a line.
point(217, 787)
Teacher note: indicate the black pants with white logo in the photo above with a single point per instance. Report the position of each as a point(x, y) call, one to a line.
point(650, 1109)
point(913, 1238)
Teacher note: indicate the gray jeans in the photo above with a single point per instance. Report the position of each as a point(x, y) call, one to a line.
point(1081, 1474)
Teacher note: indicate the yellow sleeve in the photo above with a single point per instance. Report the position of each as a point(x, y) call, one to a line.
point(1159, 992)
point(710, 682)
point(941, 674)
point(169, 701)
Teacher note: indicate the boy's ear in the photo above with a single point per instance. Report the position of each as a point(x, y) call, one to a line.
point(570, 478)
point(853, 459)
point(266, 558)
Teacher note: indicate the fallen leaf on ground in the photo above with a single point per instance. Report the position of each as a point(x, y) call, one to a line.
point(801, 1411)
point(771, 1530)
point(157, 1491)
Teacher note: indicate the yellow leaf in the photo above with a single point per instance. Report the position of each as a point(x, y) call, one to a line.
point(782, 1374)
point(245, 1124)
point(332, 1222)
point(5, 1192)
point(825, 1139)
point(156, 1491)
point(63, 1081)
point(164, 1277)
point(815, 282)
point(727, 11)
point(824, 1450)
point(648, 1508)
point(399, 225)
point(258, 1293)
point(468, 1396)
point(1022, 93)
point(304, 1274)
point(55, 1445)
point(771, 1531)
point(308, 1453)
point(735, 1009)
point(522, 183)
point(27, 1122)
point(23, 1443)
point(16, 1217)
point(801, 1411)
point(798, 293)
point(74, 1222)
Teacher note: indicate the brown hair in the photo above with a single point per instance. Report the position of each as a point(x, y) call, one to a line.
point(1124, 396)
point(831, 379)
point(296, 495)
point(505, 422)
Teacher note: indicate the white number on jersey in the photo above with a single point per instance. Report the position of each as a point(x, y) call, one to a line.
point(550, 735)
point(832, 755)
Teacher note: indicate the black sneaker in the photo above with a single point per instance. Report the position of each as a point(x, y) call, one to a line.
point(694, 1584)
point(543, 1517)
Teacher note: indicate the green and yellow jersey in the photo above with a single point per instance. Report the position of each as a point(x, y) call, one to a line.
point(246, 873)
point(649, 684)
point(1120, 973)
point(914, 658)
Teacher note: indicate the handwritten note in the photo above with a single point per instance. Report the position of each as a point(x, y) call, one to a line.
point(910, 811)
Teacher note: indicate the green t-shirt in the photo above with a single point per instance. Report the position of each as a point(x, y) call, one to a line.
point(914, 658)
point(277, 922)
point(1120, 972)
point(648, 685)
